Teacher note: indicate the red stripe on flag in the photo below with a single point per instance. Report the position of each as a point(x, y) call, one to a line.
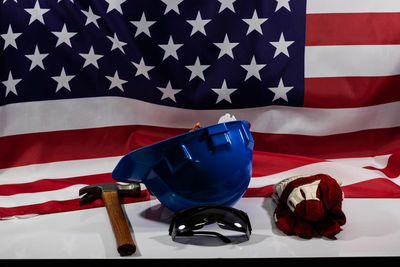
point(367, 143)
point(392, 169)
point(119, 140)
point(62, 206)
point(53, 146)
point(267, 163)
point(265, 191)
point(348, 92)
point(352, 29)
point(374, 188)
point(53, 184)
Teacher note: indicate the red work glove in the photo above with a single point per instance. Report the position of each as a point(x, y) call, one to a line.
point(306, 204)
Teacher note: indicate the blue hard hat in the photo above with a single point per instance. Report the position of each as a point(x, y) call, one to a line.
point(210, 165)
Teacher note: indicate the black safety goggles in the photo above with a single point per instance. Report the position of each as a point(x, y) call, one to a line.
point(186, 223)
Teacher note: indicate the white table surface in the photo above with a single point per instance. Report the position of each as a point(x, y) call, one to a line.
point(372, 230)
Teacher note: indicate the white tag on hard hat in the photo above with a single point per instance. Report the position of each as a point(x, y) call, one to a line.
point(227, 117)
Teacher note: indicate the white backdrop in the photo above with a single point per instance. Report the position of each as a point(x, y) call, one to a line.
point(372, 229)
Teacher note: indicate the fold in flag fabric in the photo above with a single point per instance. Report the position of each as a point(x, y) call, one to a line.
point(82, 83)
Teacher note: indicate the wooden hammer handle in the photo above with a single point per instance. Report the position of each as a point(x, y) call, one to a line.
point(119, 224)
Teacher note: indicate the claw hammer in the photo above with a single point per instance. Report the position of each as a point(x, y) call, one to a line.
point(110, 193)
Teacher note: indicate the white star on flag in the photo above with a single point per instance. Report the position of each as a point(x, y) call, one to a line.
point(255, 23)
point(142, 68)
point(9, 38)
point(36, 58)
point(253, 69)
point(64, 36)
point(280, 91)
point(226, 4)
point(63, 80)
point(282, 3)
point(170, 48)
point(36, 13)
point(226, 47)
point(116, 81)
point(224, 92)
point(143, 25)
point(282, 46)
point(91, 58)
point(115, 4)
point(197, 69)
point(116, 43)
point(169, 92)
point(198, 24)
point(172, 5)
point(91, 17)
point(10, 84)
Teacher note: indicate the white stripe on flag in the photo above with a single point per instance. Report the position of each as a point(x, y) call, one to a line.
point(348, 174)
point(352, 60)
point(71, 192)
point(352, 6)
point(321, 122)
point(379, 162)
point(57, 170)
point(117, 111)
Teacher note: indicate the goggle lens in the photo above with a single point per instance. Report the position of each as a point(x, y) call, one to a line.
point(187, 222)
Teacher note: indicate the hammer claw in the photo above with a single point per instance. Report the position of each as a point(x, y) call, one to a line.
point(86, 198)
point(88, 194)
point(90, 189)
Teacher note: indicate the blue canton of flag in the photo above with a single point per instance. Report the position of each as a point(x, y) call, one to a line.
point(197, 54)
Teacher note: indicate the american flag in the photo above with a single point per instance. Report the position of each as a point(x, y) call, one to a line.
point(83, 82)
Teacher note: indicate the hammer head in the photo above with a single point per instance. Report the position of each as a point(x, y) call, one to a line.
point(95, 191)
